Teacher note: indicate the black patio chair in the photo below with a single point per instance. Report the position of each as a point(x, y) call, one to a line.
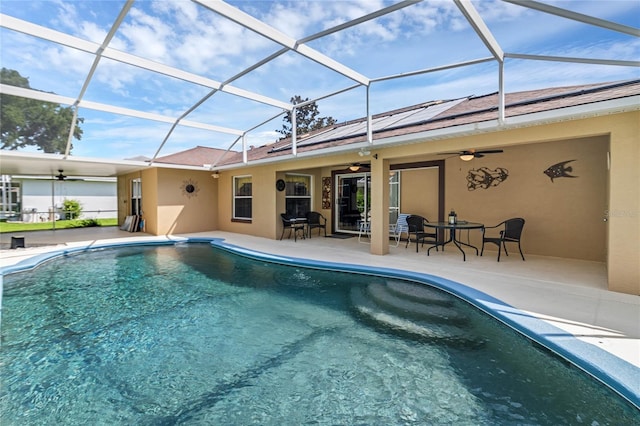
point(416, 228)
point(511, 233)
point(292, 226)
point(316, 220)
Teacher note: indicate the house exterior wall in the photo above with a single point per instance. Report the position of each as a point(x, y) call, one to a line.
point(167, 208)
point(565, 217)
point(180, 212)
point(623, 213)
point(419, 192)
point(97, 198)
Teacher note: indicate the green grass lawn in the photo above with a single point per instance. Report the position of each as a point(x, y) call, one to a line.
point(6, 227)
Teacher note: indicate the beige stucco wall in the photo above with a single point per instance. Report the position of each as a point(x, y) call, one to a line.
point(565, 217)
point(149, 182)
point(264, 221)
point(419, 192)
point(623, 212)
point(180, 212)
point(166, 207)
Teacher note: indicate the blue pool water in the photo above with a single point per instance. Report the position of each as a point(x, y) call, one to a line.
point(190, 334)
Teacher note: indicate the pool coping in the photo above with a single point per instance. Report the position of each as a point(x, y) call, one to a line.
point(615, 373)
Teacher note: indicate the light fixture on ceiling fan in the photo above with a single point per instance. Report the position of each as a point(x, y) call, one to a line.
point(470, 154)
point(363, 167)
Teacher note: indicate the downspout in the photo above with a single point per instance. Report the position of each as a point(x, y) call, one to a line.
point(369, 121)
point(501, 106)
point(244, 149)
point(294, 132)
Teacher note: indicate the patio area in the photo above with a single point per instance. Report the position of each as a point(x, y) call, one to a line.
point(570, 294)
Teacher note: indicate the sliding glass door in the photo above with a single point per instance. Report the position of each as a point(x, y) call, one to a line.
point(353, 200)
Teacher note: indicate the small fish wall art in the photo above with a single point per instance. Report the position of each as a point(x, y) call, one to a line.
point(560, 170)
point(485, 178)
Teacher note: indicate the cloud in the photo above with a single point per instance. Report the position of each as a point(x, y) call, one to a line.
point(147, 36)
point(187, 36)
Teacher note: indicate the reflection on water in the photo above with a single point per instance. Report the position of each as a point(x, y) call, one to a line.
point(190, 334)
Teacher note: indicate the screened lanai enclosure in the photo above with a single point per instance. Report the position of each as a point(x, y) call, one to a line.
point(151, 78)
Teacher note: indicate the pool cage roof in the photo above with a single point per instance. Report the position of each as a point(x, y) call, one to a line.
point(236, 77)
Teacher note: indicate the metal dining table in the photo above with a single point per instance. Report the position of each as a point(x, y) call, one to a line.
point(299, 224)
point(453, 227)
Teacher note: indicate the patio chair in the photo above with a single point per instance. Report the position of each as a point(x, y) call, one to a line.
point(293, 226)
point(511, 233)
point(416, 228)
point(400, 227)
point(316, 220)
point(364, 228)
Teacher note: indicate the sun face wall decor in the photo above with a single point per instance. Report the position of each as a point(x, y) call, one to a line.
point(190, 188)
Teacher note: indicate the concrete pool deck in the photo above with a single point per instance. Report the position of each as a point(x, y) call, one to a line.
point(568, 294)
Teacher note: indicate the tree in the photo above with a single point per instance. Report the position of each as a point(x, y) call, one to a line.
point(307, 118)
point(29, 122)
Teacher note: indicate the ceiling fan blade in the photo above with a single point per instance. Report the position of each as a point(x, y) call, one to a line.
point(489, 151)
point(478, 155)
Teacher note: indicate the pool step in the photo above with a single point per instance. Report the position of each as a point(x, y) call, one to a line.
point(409, 307)
point(419, 293)
point(439, 332)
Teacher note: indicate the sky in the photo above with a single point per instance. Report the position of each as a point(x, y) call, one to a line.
point(187, 36)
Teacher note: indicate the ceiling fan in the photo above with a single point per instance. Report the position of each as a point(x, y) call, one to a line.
point(354, 167)
point(60, 176)
point(470, 154)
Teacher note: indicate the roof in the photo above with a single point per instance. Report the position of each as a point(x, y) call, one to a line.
point(198, 156)
point(448, 114)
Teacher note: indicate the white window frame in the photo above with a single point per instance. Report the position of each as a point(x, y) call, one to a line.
point(309, 194)
point(239, 197)
point(136, 196)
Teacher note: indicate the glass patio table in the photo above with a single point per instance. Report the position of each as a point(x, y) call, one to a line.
point(453, 227)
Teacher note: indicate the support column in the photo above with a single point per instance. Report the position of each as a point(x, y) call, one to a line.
point(379, 206)
point(623, 215)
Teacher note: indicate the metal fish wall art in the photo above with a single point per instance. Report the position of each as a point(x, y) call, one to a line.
point(485, 177)
point(560, 170)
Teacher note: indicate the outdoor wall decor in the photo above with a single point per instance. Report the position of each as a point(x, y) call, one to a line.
point(485, 177)
point(190, 188)
point(326, 192)
point(560, 170)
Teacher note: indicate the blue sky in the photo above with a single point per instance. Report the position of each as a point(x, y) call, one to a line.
point(185, 35)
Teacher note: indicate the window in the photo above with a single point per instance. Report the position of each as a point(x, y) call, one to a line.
point(136, 197)
point(298, 195)
point(242, 197)
point(11, 204)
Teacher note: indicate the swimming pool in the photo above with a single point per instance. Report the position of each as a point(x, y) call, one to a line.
point(193, 334)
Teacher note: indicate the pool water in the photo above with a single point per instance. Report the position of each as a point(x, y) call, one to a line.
point(190, 334)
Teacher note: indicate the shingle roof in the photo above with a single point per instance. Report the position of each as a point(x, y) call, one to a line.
point(197, 156)
point(423, 117)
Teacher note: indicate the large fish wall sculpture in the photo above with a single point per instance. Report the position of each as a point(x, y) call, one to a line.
point(560, 170)
point(485, 178)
